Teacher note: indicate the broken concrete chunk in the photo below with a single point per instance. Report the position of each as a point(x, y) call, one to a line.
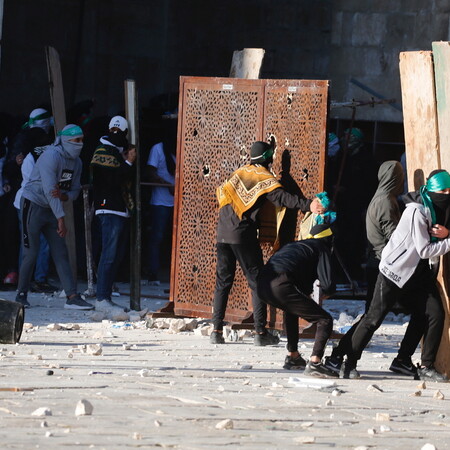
point(428, 446)
point(84, 408)
point(374, 388)
point(384, 429)
point(371, 431)
point(48, 434)
point(144, 373)
point(307, 424)
point(137, 436)
point(157, 423)
point(27, 326)
point(41, 412)
point(383, 417)
point(94, 349)
point(203, 331)
point(54, 327)
point(71, 326)
point(422, 385)
point(416, 394)
point(246, 367)
point(329, 403)
point(438, 395)
point(126, 346)
point(226, 424)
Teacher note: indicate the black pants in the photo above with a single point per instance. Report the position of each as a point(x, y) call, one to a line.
point(280, 290)
point(427, 316)
point(249, 256)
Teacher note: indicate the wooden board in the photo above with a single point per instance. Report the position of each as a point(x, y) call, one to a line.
point(441, 58)
point(419, 116)
point(55, 82)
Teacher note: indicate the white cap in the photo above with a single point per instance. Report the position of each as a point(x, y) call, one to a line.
point(118, 122)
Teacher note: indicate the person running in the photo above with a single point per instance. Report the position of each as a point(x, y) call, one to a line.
point(407, 275)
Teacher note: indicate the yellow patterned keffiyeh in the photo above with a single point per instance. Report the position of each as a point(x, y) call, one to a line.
point(245, 186)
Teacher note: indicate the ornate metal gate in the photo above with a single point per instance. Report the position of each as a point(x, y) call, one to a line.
point(219, 119)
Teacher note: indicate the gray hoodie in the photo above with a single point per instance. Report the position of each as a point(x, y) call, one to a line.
point(383, 212)
point(409, 243)
point(55, 167)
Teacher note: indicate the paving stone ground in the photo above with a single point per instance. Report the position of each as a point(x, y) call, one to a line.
point(191, 386)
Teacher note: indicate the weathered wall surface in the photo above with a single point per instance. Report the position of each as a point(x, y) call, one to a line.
point(102, 42)
point(367, 38)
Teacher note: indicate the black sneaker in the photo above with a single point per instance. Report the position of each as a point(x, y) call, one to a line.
point(333, 363)
point(266, 338)
point(431, 374)
point(77, 303)
point(294, 363)
point(348, 371)
point(216, 338)
point(403, 366)
point(42, 287)
point(21, 297)
point(319, 370)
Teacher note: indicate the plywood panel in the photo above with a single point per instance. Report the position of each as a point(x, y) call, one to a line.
point(419, 115)
point(441, 57)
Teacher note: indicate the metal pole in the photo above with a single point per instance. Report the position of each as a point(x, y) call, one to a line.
point(135, 231)
point(88, 242)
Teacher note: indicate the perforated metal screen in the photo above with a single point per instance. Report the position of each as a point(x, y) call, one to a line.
point(219, 119)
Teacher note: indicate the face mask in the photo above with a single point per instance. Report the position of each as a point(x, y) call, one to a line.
point(441, 201)
point(72, 149)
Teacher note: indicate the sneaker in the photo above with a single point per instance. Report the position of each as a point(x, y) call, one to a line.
point(106, 305)
point(430, 374)
point(333, 363)
point(77, 303)
point(43, 287)
point(21, 297)
point(216, 338)
point(11, 278)
point(319, 370)
point(403, 366)
point(266, 338)
point(294, 363)
point(348, 371)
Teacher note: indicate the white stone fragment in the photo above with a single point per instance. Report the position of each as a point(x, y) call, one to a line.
point(137, 436)
point(41, 412)
point(305, 439)
point(84, 408)
point(157, 423)
point(416, 394)
point(144, 373)
point(422, 385)
point(54, 327)
point(226, 424)
point(428, 446)
point(94, 349)
point(48, 434)
point(382, 417)
point(307, 424)
point(438, 395)
point(27, 326)
point(126, 346)
point(371, 431)
point(44, 424)
point(203, 331)
point(374, 388)
point(336, 392)
point(329, 402)
point(384, 429)
point(361, 447)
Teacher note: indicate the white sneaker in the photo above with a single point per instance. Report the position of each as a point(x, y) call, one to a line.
point(106, 305)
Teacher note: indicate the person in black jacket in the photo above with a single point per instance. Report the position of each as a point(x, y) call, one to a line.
point(112, 174)
point(240, 228)
point(286, 282)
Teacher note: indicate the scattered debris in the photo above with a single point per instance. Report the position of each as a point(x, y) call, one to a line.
point(226, 424)
point(305, 439)
point(371, 431)
point(44, 424)
point(374, 388)
point(246, 367)
point(384, 429)
point(416, 394)
point(383, 417)
point(137, 436)
point(41, 412)
point(84, 408)
point(144, 373)
point(438, 395)
point(312, 383)
point(307, 424)
point(422, 385)
point(157, 423)
point(428, 447)
point(94, 349)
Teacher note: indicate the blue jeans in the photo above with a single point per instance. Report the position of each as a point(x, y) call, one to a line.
point(160, 218)
point(112, 226)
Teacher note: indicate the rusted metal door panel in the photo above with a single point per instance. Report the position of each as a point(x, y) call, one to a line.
point(219, 119)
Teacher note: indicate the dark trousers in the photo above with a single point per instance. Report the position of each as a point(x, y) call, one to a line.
point(427, 316)
point(280, 290)
point(250, 259)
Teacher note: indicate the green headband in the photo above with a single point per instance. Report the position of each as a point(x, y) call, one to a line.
point(32, 120)
point(74, 130)
point(437, 182)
